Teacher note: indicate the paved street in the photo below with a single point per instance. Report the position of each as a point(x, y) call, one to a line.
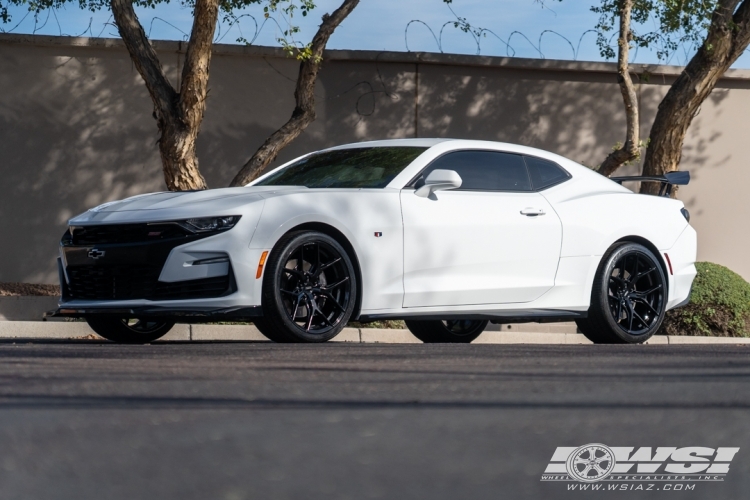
point(257, 420)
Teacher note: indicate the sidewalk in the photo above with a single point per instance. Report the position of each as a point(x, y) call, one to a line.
point(80, 330)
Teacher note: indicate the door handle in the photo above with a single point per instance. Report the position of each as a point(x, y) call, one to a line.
point(532, 212)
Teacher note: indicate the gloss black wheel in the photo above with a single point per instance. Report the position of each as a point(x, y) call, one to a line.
point(446, 331)
point(129, 330)
point(628, 298)
point(309, 289)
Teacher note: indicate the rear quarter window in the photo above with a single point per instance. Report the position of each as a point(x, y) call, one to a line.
point(545, 173)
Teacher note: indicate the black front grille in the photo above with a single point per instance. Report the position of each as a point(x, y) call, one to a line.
point(127, 233)
point(139, 282)
point(194, 289)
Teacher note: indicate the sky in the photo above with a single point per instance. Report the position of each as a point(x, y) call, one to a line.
point(521, 28)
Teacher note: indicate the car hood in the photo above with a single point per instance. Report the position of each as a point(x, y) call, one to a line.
point(174, 205)
point(169, 199)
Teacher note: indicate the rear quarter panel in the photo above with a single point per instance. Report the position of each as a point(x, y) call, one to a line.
point(595, 213)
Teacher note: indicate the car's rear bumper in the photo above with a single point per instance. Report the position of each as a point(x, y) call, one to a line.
point(682, 258)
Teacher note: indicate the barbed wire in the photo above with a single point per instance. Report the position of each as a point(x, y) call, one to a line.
point(510, 50)
point(231, 22)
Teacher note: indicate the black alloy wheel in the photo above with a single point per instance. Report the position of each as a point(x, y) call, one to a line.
point(628, 299)
point(129, 330)
point(462, 331)
point(309, 289)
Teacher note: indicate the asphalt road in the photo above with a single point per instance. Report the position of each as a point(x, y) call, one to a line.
point(230, 421)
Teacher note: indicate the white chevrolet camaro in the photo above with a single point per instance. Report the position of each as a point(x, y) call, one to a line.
point(444, 234)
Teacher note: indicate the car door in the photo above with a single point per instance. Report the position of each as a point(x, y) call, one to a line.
point(492, 241)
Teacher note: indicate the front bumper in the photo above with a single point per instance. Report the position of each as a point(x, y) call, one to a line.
point(174, 272)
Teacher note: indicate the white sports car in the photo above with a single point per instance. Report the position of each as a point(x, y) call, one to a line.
point(444, 234)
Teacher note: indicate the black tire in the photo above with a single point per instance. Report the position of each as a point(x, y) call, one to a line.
point(446, 331)
point(628, 299)
point(129, 331)
point(269, 332)
point(309, 289)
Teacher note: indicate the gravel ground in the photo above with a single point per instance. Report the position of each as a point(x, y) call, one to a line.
point(28, 289)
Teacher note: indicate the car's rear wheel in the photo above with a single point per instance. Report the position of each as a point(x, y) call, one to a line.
point(309, 289)
point(628, 299)
point(129, 330)
point(446, 331)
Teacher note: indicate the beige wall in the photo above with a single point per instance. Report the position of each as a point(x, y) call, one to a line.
point(76, 126)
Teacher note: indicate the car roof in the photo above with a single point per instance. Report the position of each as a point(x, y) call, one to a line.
point(443, 145)
point(414, 143)
point(448, 144)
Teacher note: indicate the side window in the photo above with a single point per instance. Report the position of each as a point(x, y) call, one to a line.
point(483, 170)
point(545, 173)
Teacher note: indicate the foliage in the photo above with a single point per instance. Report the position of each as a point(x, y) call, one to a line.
point(388, 323)
point(642, 145)
point(285, 9)
point(674, 22)
point(719, 305)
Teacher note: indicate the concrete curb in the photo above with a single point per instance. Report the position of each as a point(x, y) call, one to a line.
point(218, 333)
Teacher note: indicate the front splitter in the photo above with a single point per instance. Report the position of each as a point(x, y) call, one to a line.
point(176, 314)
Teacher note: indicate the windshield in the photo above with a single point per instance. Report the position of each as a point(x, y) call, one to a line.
point(346, 168)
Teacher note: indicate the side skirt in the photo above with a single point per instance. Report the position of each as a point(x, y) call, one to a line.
point(497, 316)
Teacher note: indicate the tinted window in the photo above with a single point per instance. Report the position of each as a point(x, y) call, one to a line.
point(484, 170)
point(346, 168)
point(544, 173)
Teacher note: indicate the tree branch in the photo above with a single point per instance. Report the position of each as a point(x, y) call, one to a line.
point(194, 85)
point(727, 38)
point(304, 111)
point(144, 57)
point(630, 150)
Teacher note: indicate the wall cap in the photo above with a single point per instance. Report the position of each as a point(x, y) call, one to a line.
point(431, 58)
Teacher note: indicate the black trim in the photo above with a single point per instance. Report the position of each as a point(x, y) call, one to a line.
point(65, 292)
point(504, 316)
point(668, 180)
point(176, 314)
point(138, 232)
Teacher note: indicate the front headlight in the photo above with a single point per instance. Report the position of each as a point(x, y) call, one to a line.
point(209, 224)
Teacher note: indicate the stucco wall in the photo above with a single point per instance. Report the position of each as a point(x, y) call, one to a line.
point(76, 126)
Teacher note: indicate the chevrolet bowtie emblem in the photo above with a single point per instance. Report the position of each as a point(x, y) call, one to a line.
point(95, 253)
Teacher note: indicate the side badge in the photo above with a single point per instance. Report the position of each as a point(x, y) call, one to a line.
point(378, 234)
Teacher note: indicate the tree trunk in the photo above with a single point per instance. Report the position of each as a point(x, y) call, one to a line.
point(304, 111)
point(630, 150)
point(178, 115)
point(727, 38)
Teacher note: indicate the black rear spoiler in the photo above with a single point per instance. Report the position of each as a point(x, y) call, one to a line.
point(667, 180)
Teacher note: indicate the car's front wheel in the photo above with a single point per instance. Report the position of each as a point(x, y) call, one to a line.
point(129, 331)
point(309, 289)
point(461, 331)
point(628, 299)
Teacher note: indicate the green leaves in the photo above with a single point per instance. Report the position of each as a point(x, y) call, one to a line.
point(719, 305)
point(660, 24)
point(286, 8)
